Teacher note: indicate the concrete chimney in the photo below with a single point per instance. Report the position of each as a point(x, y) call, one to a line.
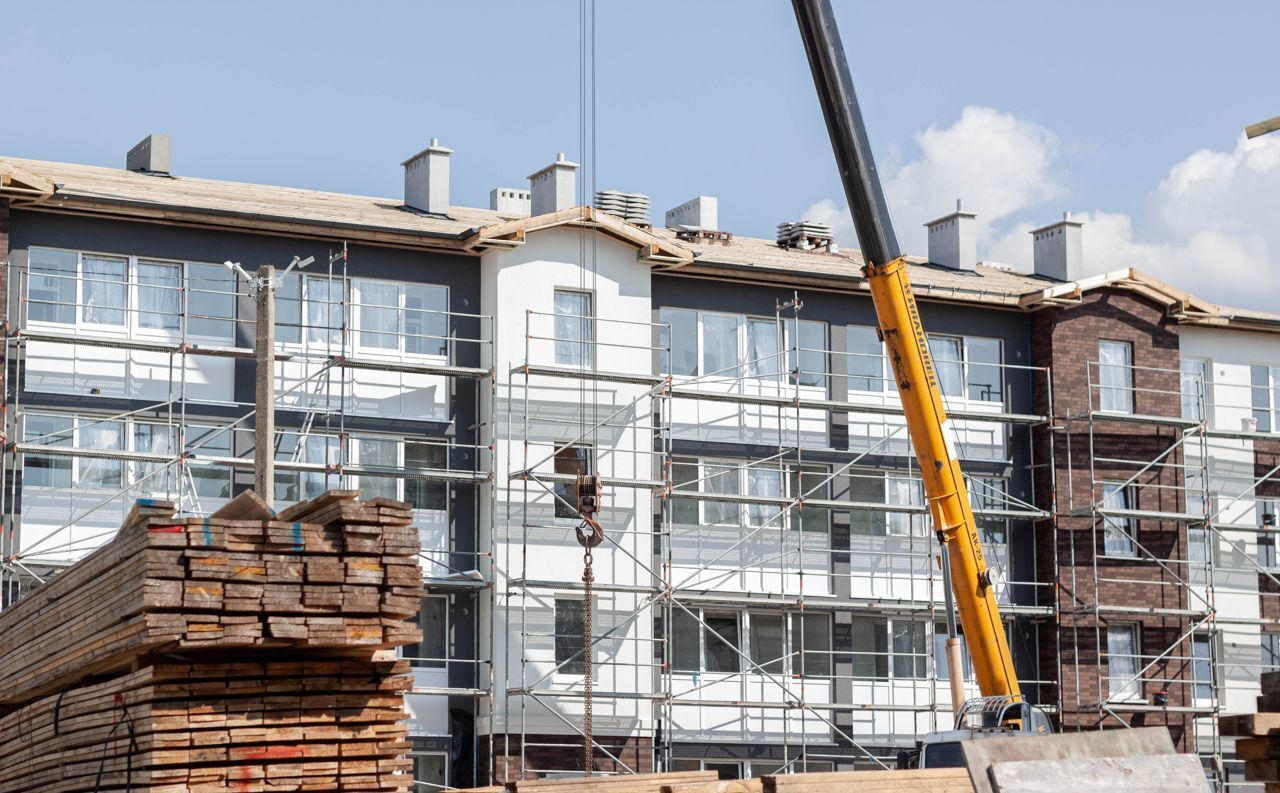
point(554, 188)
point(1059, 249)
point(509, 201)
point(151, 155)
point(426, 179)
point(953, 239)
point(702, 212)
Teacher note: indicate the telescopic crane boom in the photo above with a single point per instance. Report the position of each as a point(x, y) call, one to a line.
point(904, 337)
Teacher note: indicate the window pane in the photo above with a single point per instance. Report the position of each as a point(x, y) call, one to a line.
point(810, 483)
point(430, 769)
point(325, 298)
point(159, 303)
point(685, 633)
point(214, 481)
point(573, 328)
point(813, 353)
point(905, 492)
point(766, 483)
point(51, 293)
point(153, 439)
point(379, 315)
point(1118, 534)
point(380, 455)
point(211, 302)
point(766, 642)
point(569, 641)
point(866, 359)
point(719, 345)
point(38, 471)
point(684, 476)
point(426, 321)
point(870, 647)
point(683, 341)
point(1192, 377)
point(432, 619)
point(289, 309)
point(96, 472)
point(908, 649)
point(723, 480)
point(424, 493)
point(949, 363)
point(722, 653)
point(764, 352)
point(1270, 652)
point(104, 289)
point(1123, 662)
point(1201, 667)
point(985, 383)
point(867, 487)
point(814, 631)
point(323, 450)
point(1115, 376)
point(573, 460)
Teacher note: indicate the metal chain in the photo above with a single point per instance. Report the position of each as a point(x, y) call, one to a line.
point(588, 578)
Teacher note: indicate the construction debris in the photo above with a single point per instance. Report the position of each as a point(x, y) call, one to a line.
point(245, 651)
point(804, 235)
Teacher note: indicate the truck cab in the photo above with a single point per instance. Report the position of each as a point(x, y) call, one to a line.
point(979, 719)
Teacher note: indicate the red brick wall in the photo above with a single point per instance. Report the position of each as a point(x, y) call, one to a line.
point(635, 752)
point(1064, 339)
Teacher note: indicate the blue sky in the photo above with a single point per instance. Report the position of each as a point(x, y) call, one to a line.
point(1128, 113)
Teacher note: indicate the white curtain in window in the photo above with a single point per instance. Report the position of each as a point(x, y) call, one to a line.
point(96, 472)
point(1123, 662)
point(865, 359)
point(904, 491)
point(764, 354)
point(681, 339)
point(379, 454)
point(1115, 376)
point(211, 302)
point(721, 479)
point(104, 289)
point(379, 315)
point(325, 297)
point(153, 439)
point(719, 346)
point(1117, 537)
point(573, 328)
point(426, 323)
point(159, 293)
point(766, 483)
point(1192, 376)
point(948, 361)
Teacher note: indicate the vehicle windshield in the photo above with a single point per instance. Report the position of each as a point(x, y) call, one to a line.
point(941, 755)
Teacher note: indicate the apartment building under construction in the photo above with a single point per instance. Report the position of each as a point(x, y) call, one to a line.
point(767, 595)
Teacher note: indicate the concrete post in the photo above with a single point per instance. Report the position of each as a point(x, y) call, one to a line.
point(264, 457)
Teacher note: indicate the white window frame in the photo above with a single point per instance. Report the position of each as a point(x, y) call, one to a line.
point(737, 376)
point(1133, 691)
point(1122, 529)
point(1269, 420)
point(1127, 397)
point(742, 481)
point(418, 662)
point(586, 347)
point(884, 380)
point(1200, 410)
point(358, 304)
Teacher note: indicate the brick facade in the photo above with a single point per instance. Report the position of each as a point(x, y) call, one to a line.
point(1140, 592)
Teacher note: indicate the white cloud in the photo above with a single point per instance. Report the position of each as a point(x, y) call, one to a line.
point(1212, 226)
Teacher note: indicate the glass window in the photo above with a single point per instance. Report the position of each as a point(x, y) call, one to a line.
point(100, 473)
point(51, 291)
point(1123, 662)
point(1118, 534)
point(429, 768)
point(722, 649)
point(1115, 376)
point(764, 350)
point(767, 642)
point(1263, 380)
point(379, 315)
point(948, 362)
point(867, 487)
point(904, 491)
point(154, 477)
point(104, 289)
point(941, 662)
point(685, 642)
point(684, 476)
point(866, 359)
point(325, 298)
point(41, 471)
point(1201, 667)
point(211, 302)
point(812, 346)
point(909, 659)
point(214, 481)
point(573, 329)
point(811, 483)
point(378, 455)
point(572, 460)
point(682, 339)
point(426, 320)
point(811, 645)
point(870, 647)
point(719, 345)
point(289, 309)
point(722, 480)
point(569, 641)
point(432, 651)
point(1192, 372)
point(766, 483)
point(318, 450)
point(159, 295)
point(1271, 652)
point(983, 369)
point(425, 493)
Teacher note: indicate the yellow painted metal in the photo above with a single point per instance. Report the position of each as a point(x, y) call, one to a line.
point(944, 485)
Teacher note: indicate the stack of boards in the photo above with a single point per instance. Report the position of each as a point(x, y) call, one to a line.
point(942, 780)
point(246, 651)
point(1258, 735)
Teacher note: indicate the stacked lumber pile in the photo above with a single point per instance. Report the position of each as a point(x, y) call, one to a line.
point(940, 780)
point(923, 780)
point(1258, 735)
point(246, 651)
point(671, 782)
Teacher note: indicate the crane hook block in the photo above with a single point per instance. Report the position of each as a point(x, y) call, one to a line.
point(590, 533)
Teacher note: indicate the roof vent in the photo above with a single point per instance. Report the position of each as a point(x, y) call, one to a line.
point(631, 207)
point(1058, 249)
point(151, 155)
point(509, 201)
point(701, 213)
point(426, 179)
point(805, 235)
point(553, 188)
